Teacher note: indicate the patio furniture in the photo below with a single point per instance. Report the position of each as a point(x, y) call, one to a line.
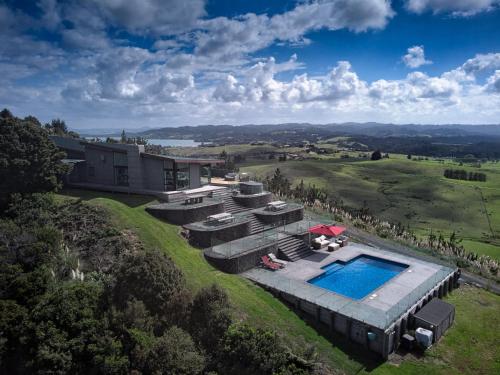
point(269, 264)
point(333, 246)
point(276, 260)
point(194, 199)
point(320, 242)
point(223, 218)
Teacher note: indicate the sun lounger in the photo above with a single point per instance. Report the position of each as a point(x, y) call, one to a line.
point(269, 264)
point(276, 260)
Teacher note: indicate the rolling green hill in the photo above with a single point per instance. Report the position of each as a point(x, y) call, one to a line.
point(469, 348)
point(410, 192)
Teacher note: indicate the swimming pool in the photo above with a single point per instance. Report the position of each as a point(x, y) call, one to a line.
point(358, 277)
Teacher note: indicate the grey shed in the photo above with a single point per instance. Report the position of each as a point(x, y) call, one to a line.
point(437, 316)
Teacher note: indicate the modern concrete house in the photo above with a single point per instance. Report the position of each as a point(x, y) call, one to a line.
point(128, 168)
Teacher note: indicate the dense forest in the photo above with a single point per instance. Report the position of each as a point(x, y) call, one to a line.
point(79, 296)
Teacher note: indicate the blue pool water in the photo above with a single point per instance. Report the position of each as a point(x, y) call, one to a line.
point(358, 277)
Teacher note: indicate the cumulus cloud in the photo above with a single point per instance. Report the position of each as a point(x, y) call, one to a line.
point(493, 83)
point(157, 17)
point(230, 37)
point(455, 7)
point(415, 57)
point(259, 84)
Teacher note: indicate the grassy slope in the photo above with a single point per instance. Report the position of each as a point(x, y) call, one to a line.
point(252, 303)
point(458, 352)
point(411, 192)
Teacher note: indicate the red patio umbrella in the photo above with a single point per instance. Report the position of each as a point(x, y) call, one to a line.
point(327, 230)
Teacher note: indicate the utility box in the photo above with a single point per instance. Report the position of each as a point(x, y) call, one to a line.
point(437, 316)
point(424, 337)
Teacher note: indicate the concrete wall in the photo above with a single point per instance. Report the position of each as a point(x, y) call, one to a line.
point(185, 215)
point(206, 238)
point(286, 217)
point(253, 201)
point(194, 176)
point(102, 161)
point(135, 171)
point(241, 263)
point(153, 173)
point(385, 342)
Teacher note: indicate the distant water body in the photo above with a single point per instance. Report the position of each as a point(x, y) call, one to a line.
point(167, 142)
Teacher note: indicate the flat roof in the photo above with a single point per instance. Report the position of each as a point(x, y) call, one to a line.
point(182, 159)
point(435, 311)
point(68, 143)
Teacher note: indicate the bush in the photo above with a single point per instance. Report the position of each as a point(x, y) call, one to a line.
point(376, 155)
point(152, 277)
point(210, 317)
point(29, 161)
point(245, 350)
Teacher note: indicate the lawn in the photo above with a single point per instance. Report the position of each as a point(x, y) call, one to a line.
point(410, 192)
point(470, 347)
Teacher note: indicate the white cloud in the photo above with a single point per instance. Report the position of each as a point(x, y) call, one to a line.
point(228, 38)
point(493, 82)
point(415, 57)
point(461, 8)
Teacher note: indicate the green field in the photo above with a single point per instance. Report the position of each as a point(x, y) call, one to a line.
point(470, 347)
point(408, 191)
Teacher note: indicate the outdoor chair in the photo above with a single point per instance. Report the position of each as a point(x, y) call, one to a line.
point(276, 260)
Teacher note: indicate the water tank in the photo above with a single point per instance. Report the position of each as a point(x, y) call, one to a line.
point(251, 187)
point(424, 337)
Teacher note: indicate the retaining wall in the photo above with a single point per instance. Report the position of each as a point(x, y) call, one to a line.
point(386, 341)
point(240, 263)
point(184, 214)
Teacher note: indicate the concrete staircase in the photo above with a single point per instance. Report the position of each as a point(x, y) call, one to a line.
point(230, 205)
point(256, 226)
point(293, 249)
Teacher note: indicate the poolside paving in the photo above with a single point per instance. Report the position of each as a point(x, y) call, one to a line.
point(380, 307)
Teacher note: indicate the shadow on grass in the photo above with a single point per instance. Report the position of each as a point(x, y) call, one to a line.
point(131, 200)
point(367, 359)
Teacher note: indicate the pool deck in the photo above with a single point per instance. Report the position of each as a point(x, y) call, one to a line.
point(380, 307)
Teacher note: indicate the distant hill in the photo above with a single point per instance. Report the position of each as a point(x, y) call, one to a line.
point(313, 132)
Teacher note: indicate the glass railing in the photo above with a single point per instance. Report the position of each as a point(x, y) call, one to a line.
point(247, 244)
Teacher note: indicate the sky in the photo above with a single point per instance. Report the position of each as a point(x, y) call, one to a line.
point(157, 63)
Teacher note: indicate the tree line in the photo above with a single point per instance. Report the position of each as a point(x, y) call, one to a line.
point(79, 296)
point(461, 174)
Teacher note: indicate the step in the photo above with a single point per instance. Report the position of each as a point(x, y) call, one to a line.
point(293, 248)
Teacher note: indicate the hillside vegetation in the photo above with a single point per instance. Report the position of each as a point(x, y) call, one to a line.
point(458, 352)
point(414, 193)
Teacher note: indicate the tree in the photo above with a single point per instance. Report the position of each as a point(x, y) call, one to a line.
point(29, 161)
point(175, 353)
point(57, 127)
point(5, 114)
point(210, 317)
point(408, 156)
point(376, 155)
point(245, 350)
point(152, 277)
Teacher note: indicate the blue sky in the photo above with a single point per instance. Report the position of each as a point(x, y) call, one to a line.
point(135, 63)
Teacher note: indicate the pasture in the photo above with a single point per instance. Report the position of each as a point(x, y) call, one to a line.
point(412, 192)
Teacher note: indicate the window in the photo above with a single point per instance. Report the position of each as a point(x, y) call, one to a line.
point(120, 159)
point(182, 176)
point(168, 179)
point(121, 176)
point(205, 174)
